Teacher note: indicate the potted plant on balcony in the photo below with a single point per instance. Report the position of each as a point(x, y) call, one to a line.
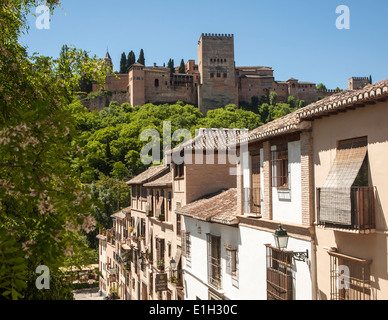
point(178, 282)
point(160, 265)
point(161, 217)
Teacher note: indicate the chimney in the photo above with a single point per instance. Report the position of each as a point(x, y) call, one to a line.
point(154, 64)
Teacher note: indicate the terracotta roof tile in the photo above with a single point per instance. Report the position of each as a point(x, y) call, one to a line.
point(165, 180)
point(294, 121)
point(345, 99)
point(220, 207)
point(148, 175)
point(213, 139)
point(287, 123)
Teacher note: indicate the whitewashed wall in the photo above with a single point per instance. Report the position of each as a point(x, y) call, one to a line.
point(287, 204)
point(196, 276)
point(253, 266)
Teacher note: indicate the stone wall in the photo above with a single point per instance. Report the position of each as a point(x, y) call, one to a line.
point(101, 102)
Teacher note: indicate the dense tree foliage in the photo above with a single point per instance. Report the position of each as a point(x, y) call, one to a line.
point(62, 167)
point(321, 87)
point(44, 208)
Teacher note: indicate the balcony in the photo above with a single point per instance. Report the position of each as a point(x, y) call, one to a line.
point(361, 215)
point(252, 201)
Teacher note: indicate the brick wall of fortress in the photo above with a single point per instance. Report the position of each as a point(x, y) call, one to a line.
point(102, 102)
point(165, 91)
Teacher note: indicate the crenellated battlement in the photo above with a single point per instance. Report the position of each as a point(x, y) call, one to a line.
point(329, 91)
point(360, 78)
point(217, 36)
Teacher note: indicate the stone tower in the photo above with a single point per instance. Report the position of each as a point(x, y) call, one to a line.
point(216, 65)
point(108, 60)
point(356, 83)
point(136, 87)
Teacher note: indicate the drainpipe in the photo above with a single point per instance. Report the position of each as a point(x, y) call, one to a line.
point(313, 268)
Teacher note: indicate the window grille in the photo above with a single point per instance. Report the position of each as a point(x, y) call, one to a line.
point(280, 167)
point(186, 244)
point(231, 261)
point(349, 277)
point(279, 274)
point(214, 260)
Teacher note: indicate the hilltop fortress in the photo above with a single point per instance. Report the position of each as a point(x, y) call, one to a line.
point(212, 83)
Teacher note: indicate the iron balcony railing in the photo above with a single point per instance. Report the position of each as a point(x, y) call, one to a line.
point(362, 212)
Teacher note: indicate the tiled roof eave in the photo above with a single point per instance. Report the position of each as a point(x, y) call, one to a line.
point(272, 133)
point(232, 222)
point(192, 216)
point(378, 92)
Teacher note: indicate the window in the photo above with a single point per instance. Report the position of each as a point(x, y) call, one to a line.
point(144, 193)
point(160, 253)
point(133, 191)
point(179, 171)
point(169, 199)
point(178, 224)
point(138, 189)
point(143, 228)
point(211, 75)
point(169, 249)
point(218, 75)
point(231, 261)
point(280, 167)
point(186, 245)
point(345, 198)
point(350, 277)
point(214, 260)
point(279, 274)
point(156, 83)
point(225, 75)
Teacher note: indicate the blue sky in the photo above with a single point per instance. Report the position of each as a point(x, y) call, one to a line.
point(296, 38)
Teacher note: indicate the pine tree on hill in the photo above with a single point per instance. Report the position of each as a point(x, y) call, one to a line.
point(182, 68)
point(123, 63)
point(141, 57)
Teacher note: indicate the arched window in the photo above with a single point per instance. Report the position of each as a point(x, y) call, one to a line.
point(156, 82)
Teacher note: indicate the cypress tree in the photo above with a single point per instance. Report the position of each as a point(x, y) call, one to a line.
point(131, 59)
point(182, 68)
point(123, 63)
point(141, 57)
point(170, 65)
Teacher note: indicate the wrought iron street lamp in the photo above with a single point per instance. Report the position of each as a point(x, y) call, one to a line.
point(281, 240)
point(173, 264)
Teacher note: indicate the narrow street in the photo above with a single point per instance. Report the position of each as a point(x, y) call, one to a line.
point(87, 294)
